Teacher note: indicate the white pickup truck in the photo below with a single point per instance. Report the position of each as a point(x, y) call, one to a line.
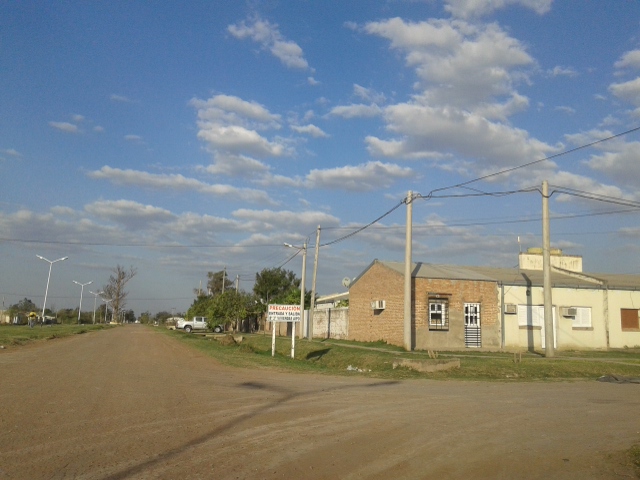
point(196, 323)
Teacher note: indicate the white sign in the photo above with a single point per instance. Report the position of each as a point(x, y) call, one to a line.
point(283, 313)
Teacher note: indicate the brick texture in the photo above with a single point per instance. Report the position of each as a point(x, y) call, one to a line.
point(382, 283)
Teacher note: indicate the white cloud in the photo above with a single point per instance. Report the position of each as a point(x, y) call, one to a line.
point(98, 129)
point(618, 162)
point(478, 8)
point(12, 153)
point(425, 129)
point(238, 139)
point(230, 124)
point(630, 59)
point(355, 111)
point(65, 127)
point(273, 180)
point(178, 183)
point(312, 81)
point(458, 63)
point(269, 37)
point(271, 219)
point(369, 94)
point(120, 98)
point(132, 214)
point(235, 165)
point(364, 177)
point(233, 110)
point(311, 130)
point(629, 91)
point(565, 109)
point(133, 138)
point(77, 118)
point(562, 71)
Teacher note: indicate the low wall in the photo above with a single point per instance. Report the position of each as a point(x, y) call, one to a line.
point(331, 323)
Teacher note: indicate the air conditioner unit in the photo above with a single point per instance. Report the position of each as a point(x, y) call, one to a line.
point(569, 311)
point(510, 308)
point(378, 304)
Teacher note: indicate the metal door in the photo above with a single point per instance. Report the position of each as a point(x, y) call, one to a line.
point(472, 330)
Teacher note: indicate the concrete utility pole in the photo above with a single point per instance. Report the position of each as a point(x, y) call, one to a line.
point(224, 275)
point(546, 267)
point(407, 274)
point(312, 306)
point(302, 284)
point(237, 283)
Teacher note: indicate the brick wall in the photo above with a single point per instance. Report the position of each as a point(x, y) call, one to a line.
point(368, 325)
point(458, 292)
point(382, 283)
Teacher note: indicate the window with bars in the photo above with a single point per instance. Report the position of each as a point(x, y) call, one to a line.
point(438, 314)
point(472, 314)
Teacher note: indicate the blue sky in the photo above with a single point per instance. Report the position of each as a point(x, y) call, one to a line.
point(182, 138)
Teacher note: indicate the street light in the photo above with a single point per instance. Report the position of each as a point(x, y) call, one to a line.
point(81, 291)
point(302, 283)
point(48, 278)
point(106, 301)
point(95, 299)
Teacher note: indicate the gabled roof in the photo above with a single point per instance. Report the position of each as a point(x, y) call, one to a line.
point(514, 276)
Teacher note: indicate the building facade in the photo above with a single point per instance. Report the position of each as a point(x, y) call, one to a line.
point(455, 308)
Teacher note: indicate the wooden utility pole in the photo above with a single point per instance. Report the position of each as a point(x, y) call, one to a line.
point(546, 267)
point(407, 274)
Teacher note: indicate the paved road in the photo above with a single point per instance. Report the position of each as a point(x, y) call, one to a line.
point(132, 403)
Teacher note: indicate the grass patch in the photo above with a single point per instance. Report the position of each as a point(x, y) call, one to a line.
point(17, 335)
point(376, 360)
point(634, 458)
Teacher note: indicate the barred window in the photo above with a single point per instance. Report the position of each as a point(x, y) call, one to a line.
point(438, 314)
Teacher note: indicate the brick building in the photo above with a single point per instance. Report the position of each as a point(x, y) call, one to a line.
point(453, 307)
point(456, 307)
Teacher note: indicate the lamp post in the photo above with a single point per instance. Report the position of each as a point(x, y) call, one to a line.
point(106, 312)
point(302, 284)
point(82, 285)
point(95, 300)
point(48, 278)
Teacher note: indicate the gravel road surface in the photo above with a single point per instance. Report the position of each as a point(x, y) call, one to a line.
point(131, 403)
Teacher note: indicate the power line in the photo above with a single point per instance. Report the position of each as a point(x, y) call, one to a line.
point(534, 162)
point(355, 232)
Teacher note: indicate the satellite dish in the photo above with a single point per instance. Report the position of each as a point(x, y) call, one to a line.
point(346, 282)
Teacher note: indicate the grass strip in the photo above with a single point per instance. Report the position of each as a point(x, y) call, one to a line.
point(376, 360)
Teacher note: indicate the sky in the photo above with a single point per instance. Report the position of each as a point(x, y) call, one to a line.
point(186, 137)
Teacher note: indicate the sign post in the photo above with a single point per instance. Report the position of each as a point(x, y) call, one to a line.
point(283, 313)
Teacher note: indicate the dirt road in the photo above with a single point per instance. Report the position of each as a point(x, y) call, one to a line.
point(131, 403)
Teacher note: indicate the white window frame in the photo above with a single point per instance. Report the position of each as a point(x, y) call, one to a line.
point(439, 306)
point(472, 314)
point(582, 318)
point(537, 315)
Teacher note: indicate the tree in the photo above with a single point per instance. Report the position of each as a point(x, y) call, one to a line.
point(214, 282)
point(115, 291)
point(199, 306)
point(230, 307)
point(293, 298)
point(273, 285)
point(23, 306)
point(161, 317)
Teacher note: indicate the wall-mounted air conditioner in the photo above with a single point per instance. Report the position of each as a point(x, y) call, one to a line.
point(378, 304)
point(569, 311)
point(510, 308)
